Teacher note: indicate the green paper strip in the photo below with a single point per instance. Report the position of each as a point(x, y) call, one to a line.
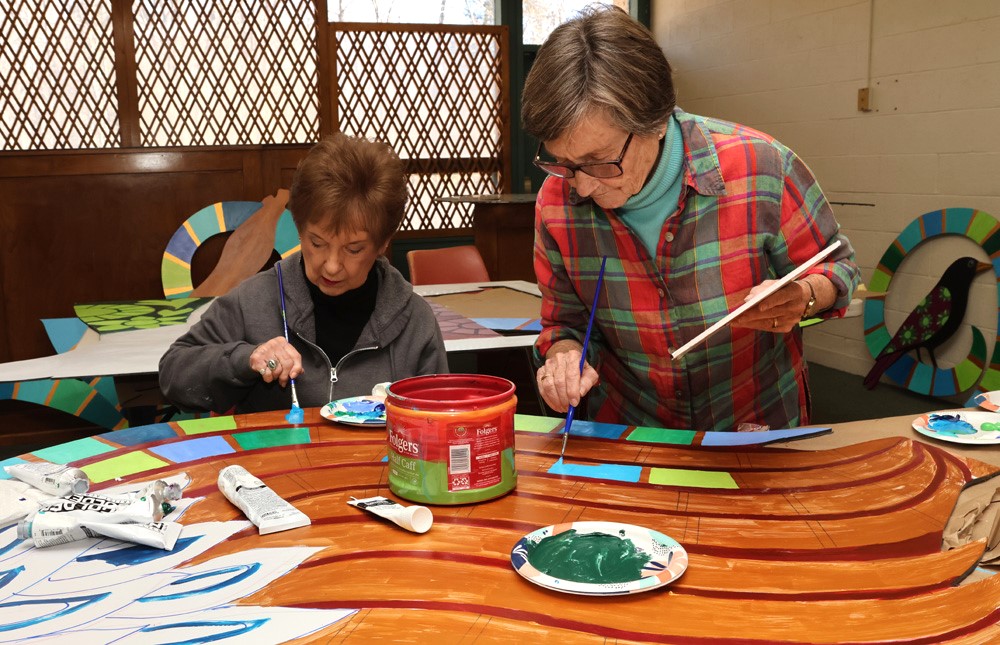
point(531, 423)
point(73, 450)
point(122, 466)
point(272, 438)
point(696, 478)
point(662, 435)
point(210, 424)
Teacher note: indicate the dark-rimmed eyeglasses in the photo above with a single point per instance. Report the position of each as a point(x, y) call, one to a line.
point(599, 169)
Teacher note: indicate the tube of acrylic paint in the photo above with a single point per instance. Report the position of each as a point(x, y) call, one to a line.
point(54, 479)
point(262, 506)
point(412, 518)
point(110, 510)
point(49, 529)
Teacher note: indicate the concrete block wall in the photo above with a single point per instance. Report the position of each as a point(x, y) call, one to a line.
point(792, 68)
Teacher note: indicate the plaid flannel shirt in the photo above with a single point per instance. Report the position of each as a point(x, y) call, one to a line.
point(749, 210)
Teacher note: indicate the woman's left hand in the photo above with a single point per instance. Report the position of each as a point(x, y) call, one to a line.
point(780, 312)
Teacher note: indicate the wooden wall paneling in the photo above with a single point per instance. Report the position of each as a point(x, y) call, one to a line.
point(125, 72)
point(278, 164)
point(6, 243)
point(506, 140)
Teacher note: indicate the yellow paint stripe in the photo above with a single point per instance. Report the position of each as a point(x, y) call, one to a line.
point(190, 230)
point(295, 248)
point(121, 425)
point(176, 260)
point(86, 402)
point(220, 217)
point(173, 291)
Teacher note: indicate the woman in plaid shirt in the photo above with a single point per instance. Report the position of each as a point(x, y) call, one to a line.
point(695, 215)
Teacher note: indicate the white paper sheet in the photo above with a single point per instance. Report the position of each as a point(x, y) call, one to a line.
point(811, 262)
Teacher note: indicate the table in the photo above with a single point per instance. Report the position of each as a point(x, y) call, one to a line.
point(503, 227)
point(787, 543)
point(139, 351)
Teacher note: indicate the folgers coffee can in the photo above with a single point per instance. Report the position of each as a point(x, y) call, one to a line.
point(451, 438)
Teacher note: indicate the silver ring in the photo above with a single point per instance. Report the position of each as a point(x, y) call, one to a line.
point(271, 364)
point(262, 371)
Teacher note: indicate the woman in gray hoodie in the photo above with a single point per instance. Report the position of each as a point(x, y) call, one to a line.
point(353, 320)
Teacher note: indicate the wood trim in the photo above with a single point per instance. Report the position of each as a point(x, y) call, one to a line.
point(126, 80)
point(324, 68)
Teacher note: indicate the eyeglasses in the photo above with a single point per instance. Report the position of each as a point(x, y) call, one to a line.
point(599, 169)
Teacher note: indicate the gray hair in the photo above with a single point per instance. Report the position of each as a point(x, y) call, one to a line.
point(600, 60)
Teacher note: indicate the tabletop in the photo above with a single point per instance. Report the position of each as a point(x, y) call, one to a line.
point(835, 537)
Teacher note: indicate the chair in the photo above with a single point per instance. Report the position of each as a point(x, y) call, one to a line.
point(451, 264)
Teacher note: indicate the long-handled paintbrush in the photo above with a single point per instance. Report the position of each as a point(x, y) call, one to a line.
point(583, 355)
point(295, 415)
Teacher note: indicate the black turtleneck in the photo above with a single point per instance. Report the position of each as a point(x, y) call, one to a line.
point(340, 319)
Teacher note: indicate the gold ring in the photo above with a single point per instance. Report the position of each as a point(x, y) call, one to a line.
point(774, 323)
point(543, 377)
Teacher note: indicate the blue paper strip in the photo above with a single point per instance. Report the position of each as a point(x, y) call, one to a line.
point(756, 438)
point(592, 429)
point(193, 449)
point(614, 472)
point(141, 434)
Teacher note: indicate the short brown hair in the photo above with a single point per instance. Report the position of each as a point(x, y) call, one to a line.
point(601, 60)
point(350, 184)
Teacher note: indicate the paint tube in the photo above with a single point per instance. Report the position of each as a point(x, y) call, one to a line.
point(262, 506)
point(110, 510)
point(49, 529)
point(159, 491)
point(18, 500)
point(412, 518)
point(54, 479)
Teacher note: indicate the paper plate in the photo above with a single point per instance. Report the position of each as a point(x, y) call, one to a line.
point(645, 558)
point(960, 426)
point(988, 400)
point(356, 411)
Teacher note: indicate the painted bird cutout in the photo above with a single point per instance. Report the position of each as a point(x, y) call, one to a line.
point(934, 320)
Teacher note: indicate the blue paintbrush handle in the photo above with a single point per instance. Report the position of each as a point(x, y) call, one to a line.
point(284, 323)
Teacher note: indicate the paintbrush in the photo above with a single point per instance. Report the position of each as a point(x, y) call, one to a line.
point(295, 415)
point(583, 355)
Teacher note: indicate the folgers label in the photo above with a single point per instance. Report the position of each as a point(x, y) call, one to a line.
point(451, 438)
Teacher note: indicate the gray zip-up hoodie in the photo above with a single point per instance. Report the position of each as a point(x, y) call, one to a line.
point(208, 368)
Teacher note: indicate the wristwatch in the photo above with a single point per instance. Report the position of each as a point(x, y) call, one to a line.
point(808, 311)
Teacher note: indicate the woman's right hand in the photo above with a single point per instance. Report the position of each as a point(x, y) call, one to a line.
point(559, 381)
point(276, 360)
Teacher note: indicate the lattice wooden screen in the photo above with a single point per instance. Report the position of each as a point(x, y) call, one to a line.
point(57, 75)
point(437, 94)
point(226, 72)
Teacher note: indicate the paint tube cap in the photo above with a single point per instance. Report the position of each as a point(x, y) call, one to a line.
point(417, 519)
point(80, 486)
point(24, 529)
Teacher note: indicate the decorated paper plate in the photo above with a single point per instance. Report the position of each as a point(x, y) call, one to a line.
point(988, 400)
point(598, 558)
point(960, 426)
point(356, 411)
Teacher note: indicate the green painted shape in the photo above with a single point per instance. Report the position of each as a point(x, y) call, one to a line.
point(209, 424)
point(71, 451)
point(991, 381)
point(662, 435)
point(920, 379)
point(879, 282)
point(877, 340)
point(892, 258)
point(967, 372)
point(531, 423)
point(286, 236)
point(696, 478)
point(122, 466)
point(272, 438)
point(205, 223)
point(981, 226)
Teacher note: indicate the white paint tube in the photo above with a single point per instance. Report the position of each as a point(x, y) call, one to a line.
point(55, 479)
point(262, 506)
point(49, 529)
point(18, 500)
point(412, 518)
point(110, 510)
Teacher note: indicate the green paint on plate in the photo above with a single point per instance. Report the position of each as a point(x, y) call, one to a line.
point(210, 424)
point(272, 438)
point(529, 423)
point(588, 557)
point(121, 466)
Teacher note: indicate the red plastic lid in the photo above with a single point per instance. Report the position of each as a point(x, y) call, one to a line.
point(444, 392)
